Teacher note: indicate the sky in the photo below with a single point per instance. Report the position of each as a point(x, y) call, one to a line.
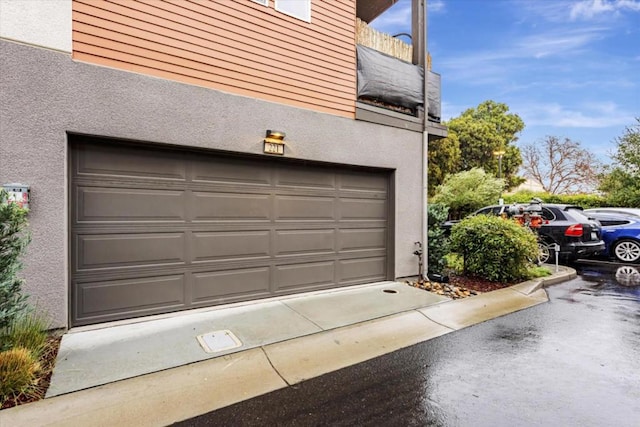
point(568, 68)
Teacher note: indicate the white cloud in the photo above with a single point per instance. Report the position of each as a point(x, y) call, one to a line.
point(395, 19)
point(588, 9)
point(601, 115)
point(436, 6)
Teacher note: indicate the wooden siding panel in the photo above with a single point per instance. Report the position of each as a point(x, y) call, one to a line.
point(236, 46)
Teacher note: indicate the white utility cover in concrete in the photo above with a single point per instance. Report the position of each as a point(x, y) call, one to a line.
point(217, 341)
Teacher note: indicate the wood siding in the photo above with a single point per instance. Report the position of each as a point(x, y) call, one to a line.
point(236, 46)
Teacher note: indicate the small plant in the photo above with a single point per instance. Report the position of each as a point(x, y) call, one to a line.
point(13, 242)
point(454, 262)
point(27, 330)
point(18, 371)
point(493, 248)
point(535, 272)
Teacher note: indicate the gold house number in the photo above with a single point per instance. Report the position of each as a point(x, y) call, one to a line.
point(272, 148)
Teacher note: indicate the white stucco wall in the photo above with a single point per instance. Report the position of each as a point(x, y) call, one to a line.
point(44, 23)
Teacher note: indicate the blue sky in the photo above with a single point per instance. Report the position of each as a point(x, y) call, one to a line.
point(568, 68)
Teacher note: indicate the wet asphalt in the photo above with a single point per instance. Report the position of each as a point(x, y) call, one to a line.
point(574, 361)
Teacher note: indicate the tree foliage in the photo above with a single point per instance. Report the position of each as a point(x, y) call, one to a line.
point(562, 166)
point(444, 160)
point(13, 242)
point(468, 191)
point(622, 182)
point(484, 130)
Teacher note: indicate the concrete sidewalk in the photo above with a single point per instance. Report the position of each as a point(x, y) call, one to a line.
point(156, 372)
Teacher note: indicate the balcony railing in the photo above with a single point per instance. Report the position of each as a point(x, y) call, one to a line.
point(388, 79)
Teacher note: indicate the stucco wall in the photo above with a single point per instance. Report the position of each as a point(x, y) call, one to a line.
point(44, 23)
point(49, 95)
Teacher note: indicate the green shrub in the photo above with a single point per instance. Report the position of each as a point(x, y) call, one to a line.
point(438, 243)
point(468, 191)
point(18, 370)
point(13, 241)
point(494, 248)
point(27, 330)
point(585, 201)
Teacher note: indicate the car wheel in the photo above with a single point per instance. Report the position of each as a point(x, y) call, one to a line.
point(544, 252)
point(627, 251)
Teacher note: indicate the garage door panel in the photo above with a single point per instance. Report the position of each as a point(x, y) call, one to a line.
point(221, 171)
point(103, 298)
point(363, 181)
point(305, 275)
point(358, 209)
point(247, 283)
point(304, 208)
point(230, 206)
point(355, 270)
point(229, 245)
point(125, 250)
point(293, 242)
point(358, 239)
point(306, 177)
point(110, 160)
point(124, 205)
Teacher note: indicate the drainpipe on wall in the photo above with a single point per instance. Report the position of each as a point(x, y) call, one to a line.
point(419, 40)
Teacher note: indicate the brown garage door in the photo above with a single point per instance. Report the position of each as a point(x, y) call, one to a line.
point(157, 230)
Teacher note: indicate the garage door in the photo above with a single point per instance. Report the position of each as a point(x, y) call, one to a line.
point(156, 230)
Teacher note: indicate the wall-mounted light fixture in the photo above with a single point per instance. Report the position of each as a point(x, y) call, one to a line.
point(274, 142)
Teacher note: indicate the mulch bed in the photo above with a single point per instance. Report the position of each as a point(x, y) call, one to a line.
point(460, 286)
point(47, 362)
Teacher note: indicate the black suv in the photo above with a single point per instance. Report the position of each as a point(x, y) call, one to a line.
point(565, 225)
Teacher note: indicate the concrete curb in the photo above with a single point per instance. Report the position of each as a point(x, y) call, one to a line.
point(160, 398)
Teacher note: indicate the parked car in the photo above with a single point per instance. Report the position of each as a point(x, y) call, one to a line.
point(623, 211)
point(564, 225)
point(621, 235)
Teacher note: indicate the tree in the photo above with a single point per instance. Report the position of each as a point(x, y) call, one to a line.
point(444, 160)
point(622, 182)
point(562, 166)
point(484, 130)
point(469, 191)
point(13, 242)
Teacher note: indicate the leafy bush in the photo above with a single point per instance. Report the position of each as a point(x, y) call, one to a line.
point(494, 248)
point(468, 191)
point(13, 241)
point(438, 243)
point(585, 201)
point(27, 330)
point(18, 370)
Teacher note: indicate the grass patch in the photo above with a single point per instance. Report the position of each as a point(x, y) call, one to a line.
point(535, 272)
point(18, 372)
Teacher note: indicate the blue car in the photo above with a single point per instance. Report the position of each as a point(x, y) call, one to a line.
point(621, 235)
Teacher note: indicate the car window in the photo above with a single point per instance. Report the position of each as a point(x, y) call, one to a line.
point(606, 222)
point(547, 214)
point(485, 211)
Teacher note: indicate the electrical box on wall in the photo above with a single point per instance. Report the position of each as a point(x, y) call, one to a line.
point(18, 193)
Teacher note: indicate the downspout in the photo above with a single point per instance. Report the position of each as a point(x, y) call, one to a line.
point(419, 39)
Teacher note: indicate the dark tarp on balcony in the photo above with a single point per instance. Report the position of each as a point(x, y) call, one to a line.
point(388, 79)
point(433, 96)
